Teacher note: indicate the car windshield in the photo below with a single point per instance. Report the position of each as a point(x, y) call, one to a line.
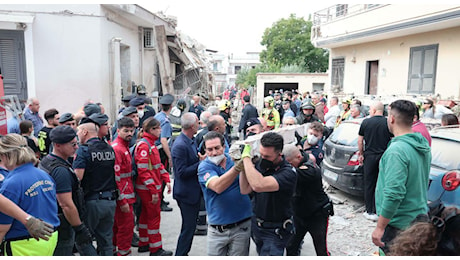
point(346, 134)
point(442, 155)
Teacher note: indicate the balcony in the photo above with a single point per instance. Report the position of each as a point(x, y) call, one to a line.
point(342, 25)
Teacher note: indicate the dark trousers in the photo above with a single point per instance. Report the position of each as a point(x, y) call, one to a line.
point(268, 242)
point(164, 160)
point(317, 227)
point(371, 172)
point(201, 220)
point(189, 214)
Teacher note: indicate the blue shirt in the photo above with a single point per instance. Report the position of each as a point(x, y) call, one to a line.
point(166, 129)
point(228, 207)
point(36, 119)
point(34, 191)
point(196, 109)
point(13, 125)
point(3, 173)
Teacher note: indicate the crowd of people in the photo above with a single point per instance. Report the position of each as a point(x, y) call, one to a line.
point(93, 184)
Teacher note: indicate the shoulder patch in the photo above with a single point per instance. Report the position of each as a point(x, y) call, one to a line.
point(206, 176)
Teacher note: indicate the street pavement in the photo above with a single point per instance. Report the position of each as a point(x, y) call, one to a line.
point(170, 229)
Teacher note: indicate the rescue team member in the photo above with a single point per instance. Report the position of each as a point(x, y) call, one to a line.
point(270, 114)
point(44, 142)
point(186, 190)
point(124, 216)
point(69, 194)
point(273, 181)
point(94, 165)
point(229, 228)
point(174, 117)
point(163, 142)
point(33, 190)
point(312, 207)
point(150, 175)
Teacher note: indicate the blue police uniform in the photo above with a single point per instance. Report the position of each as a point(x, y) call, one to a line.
point(99, 186)
point(166, 129)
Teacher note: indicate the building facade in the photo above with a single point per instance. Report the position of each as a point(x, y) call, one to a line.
point(386, 49)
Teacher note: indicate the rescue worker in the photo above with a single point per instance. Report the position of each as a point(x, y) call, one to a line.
point(94, 165)
point(307, 114)
point(69, 194)
point(312, 207)
point(44, 142)
point(162, 143)
point(270, 114)
point(124, 215)
point(151, 175)
point(33, 190)
point(174, 117)
point(345, 113)
point(224, 108)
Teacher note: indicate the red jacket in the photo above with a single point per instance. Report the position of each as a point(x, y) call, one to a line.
point(150, 171)
point(123, 171)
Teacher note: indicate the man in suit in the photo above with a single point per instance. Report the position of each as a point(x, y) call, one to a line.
point(186, 189)
point(249, 111)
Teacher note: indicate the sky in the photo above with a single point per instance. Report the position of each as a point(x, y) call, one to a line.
point(233, 26)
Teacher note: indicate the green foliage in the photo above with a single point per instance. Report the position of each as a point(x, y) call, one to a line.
point(287, 42)
point(248, 77)
point(292, 69)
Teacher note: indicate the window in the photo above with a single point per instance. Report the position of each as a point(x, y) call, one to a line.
point(337, 69)
point(237, 69)
point(341, 10)
point(148, 38)
point(422, 69)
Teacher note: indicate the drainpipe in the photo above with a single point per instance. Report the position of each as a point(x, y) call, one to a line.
point(141, 58)
point(115, 76)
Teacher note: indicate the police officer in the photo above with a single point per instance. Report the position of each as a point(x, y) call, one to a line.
point(272, 179)
point(101, 121)
point(94, 166)
point(68, 119)
point(163, 142)
point(312, 206)
point(142, 111)
point(69, 194)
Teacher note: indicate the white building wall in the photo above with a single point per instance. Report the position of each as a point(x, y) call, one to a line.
point(393, 56)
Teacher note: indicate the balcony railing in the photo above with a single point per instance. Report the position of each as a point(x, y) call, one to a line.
point(339, 11)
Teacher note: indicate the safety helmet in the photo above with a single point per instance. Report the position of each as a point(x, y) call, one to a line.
point(181, 104)
point(347, 101)
point(224, 104)
point(307, 104)
point(270, 100)
point(141, 90)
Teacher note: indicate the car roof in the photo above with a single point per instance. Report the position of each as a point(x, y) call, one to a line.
point(446, 132)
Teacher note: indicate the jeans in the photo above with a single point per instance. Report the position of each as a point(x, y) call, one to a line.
point(66, 241)
point(268, 243)
point(231, 242)
point(189, 215)
point(100, 218)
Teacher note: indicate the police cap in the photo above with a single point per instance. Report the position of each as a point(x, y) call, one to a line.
point(167, 99)
point(127, 98)
point(91, 108)
point(250, 122)
point(128, 111)
point(137, 101)
point(65, 117)
point(62, 134)
point(99, 118)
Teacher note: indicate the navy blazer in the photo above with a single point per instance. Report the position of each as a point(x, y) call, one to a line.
point(185, 162)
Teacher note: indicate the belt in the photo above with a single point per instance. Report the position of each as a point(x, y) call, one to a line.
point(266, 224)
point(222, 228)
point(102, 195)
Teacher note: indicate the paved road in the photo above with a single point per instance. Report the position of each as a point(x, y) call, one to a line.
point(170, 228)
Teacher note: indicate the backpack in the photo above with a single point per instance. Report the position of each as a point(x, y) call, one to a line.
point(132, 150)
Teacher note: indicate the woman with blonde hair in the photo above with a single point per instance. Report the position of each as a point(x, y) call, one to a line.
point(31, 189)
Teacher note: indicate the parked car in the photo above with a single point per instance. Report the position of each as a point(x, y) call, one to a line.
point(445, 166)
point(340, 167)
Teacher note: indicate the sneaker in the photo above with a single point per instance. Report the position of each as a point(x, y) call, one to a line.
point(162, 252)
point(143, 249)
point(165, 208)
point(372, 217)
